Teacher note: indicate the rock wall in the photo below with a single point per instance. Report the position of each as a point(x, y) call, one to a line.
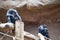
point(45, 14)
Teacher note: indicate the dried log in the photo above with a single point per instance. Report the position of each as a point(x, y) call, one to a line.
point(19, 30)
point(6, 27)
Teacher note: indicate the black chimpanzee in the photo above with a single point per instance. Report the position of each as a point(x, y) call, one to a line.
point(12, 16)
point(43, 30)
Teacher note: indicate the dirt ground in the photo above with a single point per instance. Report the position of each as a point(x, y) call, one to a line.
point(54, 30)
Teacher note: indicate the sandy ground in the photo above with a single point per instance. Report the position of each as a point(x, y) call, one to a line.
point(54, 30)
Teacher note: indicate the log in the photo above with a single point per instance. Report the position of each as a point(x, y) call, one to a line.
point(6, 27)
point(19, 30)
point(29, 35)
point(41, 36)
point(20, 33)
point(3, 25)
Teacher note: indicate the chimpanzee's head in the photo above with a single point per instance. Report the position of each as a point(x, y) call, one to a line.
point(43, 26)
point(12, 15)
point(11, 12)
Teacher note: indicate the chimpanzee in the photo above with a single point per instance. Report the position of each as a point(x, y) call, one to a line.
point(43, 30)
point(12, 16)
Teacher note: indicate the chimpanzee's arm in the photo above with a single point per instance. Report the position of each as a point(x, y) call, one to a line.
point(19, 17)
point(8, 19)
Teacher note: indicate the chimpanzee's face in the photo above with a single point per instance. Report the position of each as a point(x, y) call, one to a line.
point(41, 27)
point(12, 12)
